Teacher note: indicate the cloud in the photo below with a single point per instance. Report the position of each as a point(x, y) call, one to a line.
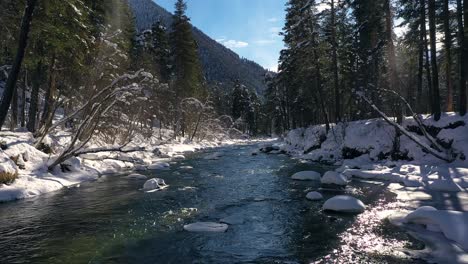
point(273, 20)
point(264, 42)
point(233, 44)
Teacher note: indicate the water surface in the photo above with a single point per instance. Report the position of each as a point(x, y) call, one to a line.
point(113, 221)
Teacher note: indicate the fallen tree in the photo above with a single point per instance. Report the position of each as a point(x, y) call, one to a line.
point(436, 151)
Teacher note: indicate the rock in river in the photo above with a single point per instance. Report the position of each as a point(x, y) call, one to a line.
point(345, 204)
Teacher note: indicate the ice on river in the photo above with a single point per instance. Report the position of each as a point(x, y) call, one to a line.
point(206, 227)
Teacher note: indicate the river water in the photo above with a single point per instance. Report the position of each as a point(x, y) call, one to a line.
point(113, 221)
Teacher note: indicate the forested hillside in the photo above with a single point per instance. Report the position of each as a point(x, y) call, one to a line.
point(220, 64)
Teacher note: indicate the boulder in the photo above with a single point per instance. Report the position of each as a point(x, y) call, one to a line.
point(345, 204)
point(154, 184)
point(306, 176)
point(159, 166)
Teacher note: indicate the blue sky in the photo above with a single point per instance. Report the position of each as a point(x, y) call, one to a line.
point(248, 27)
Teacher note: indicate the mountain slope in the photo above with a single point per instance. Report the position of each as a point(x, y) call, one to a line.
point(220, 64)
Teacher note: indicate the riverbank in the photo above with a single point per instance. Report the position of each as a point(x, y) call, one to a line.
point(19, 156)
point(362, 150)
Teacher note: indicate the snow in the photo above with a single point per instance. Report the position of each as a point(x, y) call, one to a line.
point(154, 184)
point(7, 166)
point(306, 176)
point(453, 224)
point(314, 196)
point(333, 177)
point(159, 166)
point(345, 204)
point(36, 180)
point(206, 227)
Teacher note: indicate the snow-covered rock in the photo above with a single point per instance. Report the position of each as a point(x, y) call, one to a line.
point(136, 176)
point(159, 166)
point(206, 227)
point(8, 168)
point(306, 176)
point(453, 224)
point(213, 156)
point(154, 184)
point(333, 177)
point(314, 196)
point(178, 157)
point(345, 204)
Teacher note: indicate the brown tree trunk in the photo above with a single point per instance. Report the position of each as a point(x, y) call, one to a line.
point(33, 104)
point(448, 57)
point(14, 72)
point(23, 100)
point(435, 102)
point(14, 111)
point(50, 100)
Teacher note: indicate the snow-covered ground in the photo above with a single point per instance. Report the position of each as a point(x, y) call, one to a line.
point(34, 178)
point(361, 151)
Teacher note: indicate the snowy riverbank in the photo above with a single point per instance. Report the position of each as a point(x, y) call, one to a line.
point(362, 150)
point(34, 178)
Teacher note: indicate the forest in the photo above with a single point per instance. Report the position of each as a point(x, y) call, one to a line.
point(147, 133)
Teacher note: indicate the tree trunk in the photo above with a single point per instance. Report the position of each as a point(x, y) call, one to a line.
point(23, 100)
point(50, 100)
point(33, 104)
point(14, 72)
point(463, 40)
point(335, 63)
point(425, 44)
point(392, 60)
point(14, 111)
point(435, 102)
point(448, 57)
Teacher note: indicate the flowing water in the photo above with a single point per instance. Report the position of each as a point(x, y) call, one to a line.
point(113, 221)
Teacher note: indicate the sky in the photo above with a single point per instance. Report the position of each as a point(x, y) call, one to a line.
point(248, 27)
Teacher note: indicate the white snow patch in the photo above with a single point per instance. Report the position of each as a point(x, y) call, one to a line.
point(306, 176)
point(345, 204)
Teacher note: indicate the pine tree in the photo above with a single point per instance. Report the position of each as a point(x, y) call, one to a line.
point(435, 102)
point(189, 81)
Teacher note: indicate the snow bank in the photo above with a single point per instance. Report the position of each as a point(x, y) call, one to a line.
point(374, 138)
point(34, 178)
point(345, 204)
point(306, 176)
point(453, 224)
point(206, 227)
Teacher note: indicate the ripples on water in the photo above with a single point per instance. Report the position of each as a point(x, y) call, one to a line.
point(112, 221)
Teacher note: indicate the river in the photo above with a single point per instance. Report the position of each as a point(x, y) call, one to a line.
point(113, 221)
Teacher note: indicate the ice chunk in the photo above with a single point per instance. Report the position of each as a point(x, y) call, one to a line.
point(206, 227)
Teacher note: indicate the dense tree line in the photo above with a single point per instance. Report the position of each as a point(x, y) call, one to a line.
point(336, 49)
point(80, 65)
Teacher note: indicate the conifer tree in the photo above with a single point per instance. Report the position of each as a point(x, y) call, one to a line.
point(188, 72)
